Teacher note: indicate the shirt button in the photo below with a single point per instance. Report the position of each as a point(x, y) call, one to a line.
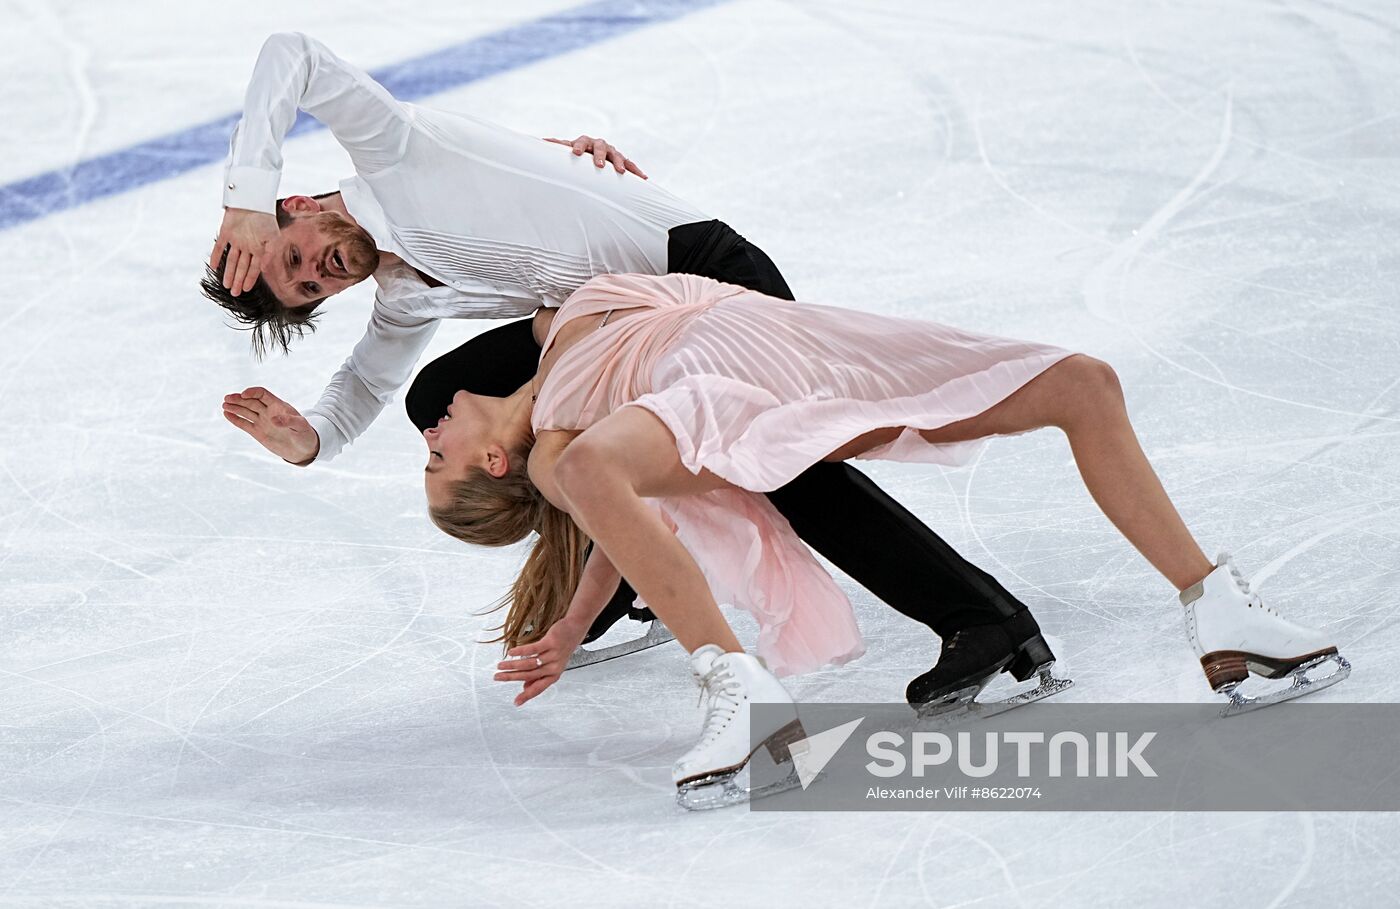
point(232, 186)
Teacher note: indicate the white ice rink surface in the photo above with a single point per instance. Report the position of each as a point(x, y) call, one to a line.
point(225, 681)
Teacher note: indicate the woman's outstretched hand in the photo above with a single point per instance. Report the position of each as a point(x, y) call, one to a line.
point(540, 664)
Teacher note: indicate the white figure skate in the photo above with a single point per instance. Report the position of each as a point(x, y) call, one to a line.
point(1234, 634)
point(709, 775)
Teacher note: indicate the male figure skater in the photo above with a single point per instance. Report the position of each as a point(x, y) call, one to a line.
point(458, 218)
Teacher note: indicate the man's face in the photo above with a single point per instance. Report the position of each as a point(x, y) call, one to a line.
point(316, 255)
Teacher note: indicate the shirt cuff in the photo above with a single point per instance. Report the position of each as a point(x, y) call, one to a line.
point(252, 188)
point(332, 440)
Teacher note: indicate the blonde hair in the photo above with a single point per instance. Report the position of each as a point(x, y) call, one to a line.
point(498, 511)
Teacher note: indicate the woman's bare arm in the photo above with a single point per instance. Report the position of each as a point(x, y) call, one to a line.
point(539, 665)
point(595, 589)
point(549, 445)
point(600, 578)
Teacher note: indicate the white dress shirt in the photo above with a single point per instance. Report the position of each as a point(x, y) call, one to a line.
point(507, 222)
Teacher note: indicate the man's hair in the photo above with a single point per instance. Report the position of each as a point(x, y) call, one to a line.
point(273, 325)
point(259, 311)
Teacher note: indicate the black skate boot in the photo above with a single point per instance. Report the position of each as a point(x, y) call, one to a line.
point(973, 657)
point(613, 613)
point(617, 610)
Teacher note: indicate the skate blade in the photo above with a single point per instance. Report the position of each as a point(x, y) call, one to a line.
point(657, 633)
point(733, 786)
point(725, 790)
point(963, 704)
point(1302, 685)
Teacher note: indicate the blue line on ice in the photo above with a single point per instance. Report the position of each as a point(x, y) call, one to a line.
point(205, 143)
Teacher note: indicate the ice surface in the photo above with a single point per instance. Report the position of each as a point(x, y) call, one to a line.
point(226, 681)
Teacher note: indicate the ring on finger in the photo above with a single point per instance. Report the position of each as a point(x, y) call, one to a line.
point(538, 662)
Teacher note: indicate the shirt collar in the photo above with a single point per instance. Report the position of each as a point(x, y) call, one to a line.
point(365, 209)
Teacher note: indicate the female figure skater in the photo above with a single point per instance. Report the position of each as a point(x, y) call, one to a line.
point(699, 395)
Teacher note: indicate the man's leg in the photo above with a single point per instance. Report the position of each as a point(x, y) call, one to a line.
point(843, 515)
point(496, 363)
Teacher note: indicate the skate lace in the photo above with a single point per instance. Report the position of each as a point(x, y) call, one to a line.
point(1254, 599)
point(718, 688)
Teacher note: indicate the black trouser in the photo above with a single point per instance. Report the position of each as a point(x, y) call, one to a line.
point(833, 507)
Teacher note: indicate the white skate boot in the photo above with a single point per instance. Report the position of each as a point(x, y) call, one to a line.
point(1235, 634)
point(707, 776)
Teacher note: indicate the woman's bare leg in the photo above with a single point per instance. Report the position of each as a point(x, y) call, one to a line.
point(606, 471)
point(604, 474)
point(1081, 396)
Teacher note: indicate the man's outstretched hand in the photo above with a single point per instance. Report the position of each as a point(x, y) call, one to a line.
point(602, 153)
point(244, 233)
point(276, 425)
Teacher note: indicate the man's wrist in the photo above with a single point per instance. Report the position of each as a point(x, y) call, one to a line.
point(315, 452)
point(329, 440)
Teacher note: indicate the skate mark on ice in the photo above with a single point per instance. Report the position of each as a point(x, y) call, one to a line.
point(1093, 239)
point(943, 823)
point(1330, 443)
point(336, 670)
point(1262, 341)
point(383, 648)
point(1319, 165)
point(1119, 263)
point(876, 898)
point(1304, 862)
point(1340, 525)
point(1248, 215)
point(286, 493)
point(545, 829)
point(965, 505)
point(1117, 853)
point(101, 735)
point(273, 637)
point(43, 506)
point(127, 714)
point(1096, 290)
point(294, 832)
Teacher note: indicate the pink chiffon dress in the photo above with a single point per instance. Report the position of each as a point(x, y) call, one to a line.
point(756, 390)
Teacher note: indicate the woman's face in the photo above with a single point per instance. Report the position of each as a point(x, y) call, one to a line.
point(460, 441)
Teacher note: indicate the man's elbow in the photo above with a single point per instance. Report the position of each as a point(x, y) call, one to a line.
point(286, 39)
point(287, 44)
